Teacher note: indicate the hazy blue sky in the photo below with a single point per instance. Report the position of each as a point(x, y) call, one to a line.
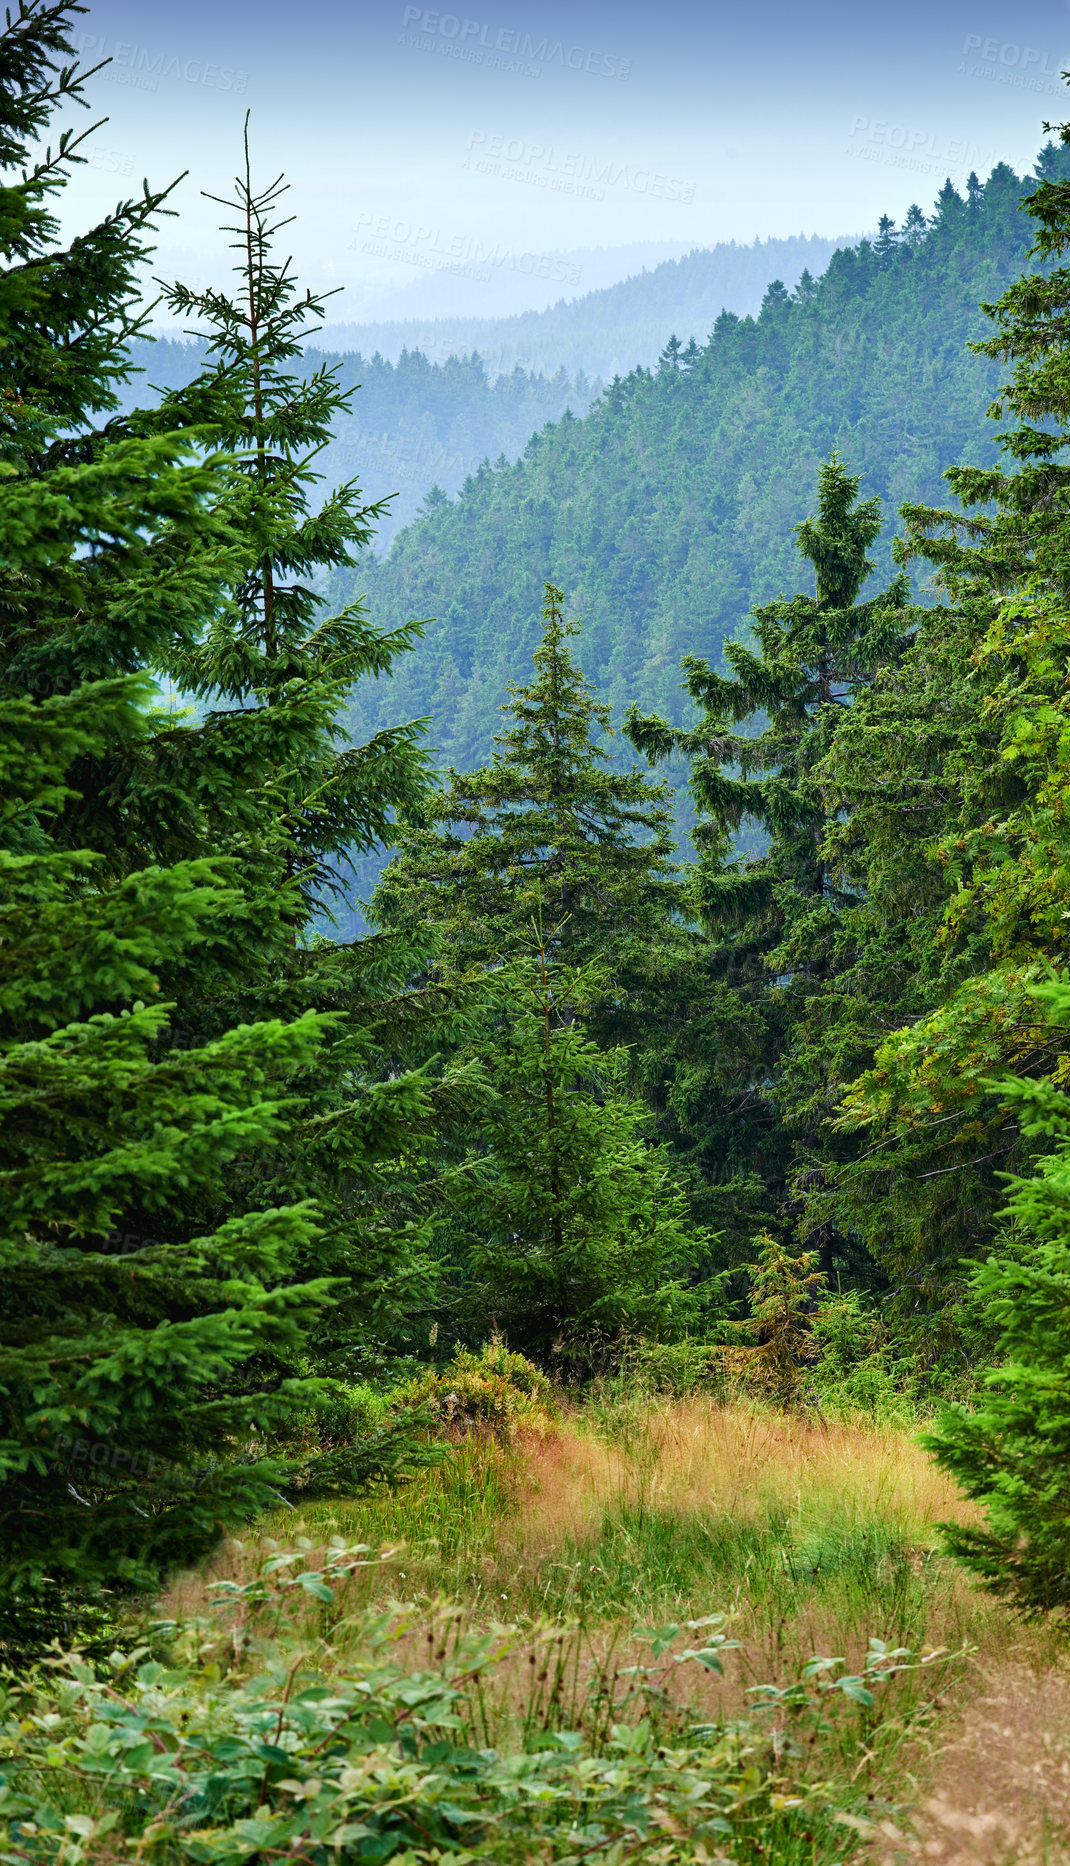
point(474, 158)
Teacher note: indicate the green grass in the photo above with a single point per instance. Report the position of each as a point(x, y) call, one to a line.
point(597, 1547)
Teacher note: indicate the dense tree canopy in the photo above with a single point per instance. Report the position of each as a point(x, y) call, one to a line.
point(666, 513)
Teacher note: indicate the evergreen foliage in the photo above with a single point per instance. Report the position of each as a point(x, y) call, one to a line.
point(774, 918)
point(783, 1294)
point(666, 514)
point(578, 1236)
point(552, 824)
point(138, 1318)
point(273, 668)
point(1012, 1454)
point(178, 1090)
point(954, 768)
point(138, 1347)
point(547, 825)
point(416, 425)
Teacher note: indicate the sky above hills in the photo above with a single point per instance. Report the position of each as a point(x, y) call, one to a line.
point(496, 158)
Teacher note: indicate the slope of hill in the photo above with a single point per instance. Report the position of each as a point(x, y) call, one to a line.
point(667, 511)
point(608, 331)
point(413, 423)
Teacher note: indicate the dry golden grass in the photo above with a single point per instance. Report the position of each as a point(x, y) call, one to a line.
point(547, 1528)
point(548, 1533)
point(698, 1454)
point(995, 1788)
point(522, 1507)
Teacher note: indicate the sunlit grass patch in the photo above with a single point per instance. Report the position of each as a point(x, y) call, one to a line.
point(796, 1527)
point(583, 1547)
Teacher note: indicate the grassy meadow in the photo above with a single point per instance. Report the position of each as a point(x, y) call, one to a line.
point(590, 1548)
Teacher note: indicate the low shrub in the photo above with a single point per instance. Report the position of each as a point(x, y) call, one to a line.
point(855, 1373)
point(353, 1410)
point(493, 1390)
point(298, 1756)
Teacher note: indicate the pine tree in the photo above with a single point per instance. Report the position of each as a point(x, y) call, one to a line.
point(578, 1238)
point(1012, 1454)
point(138, 1339)
point(776, 916)
point(914, 227)
point(158, 1212)
point(275, 667)
point(887, 239)
point(964, 755)
point(136, 1354)
point(783, 1291)
point(550, 825)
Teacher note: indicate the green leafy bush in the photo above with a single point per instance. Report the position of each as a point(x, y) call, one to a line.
point(494, 1388)
point(855, 1372)
point(293, 1759)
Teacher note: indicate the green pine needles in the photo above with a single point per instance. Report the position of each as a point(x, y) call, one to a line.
point(1012, 1454)
point(579, 1237)
point(136, 1345)
point(200, 1134)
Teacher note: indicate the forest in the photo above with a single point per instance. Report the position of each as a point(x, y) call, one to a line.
point(415, 424)
point(576, 1366)
point(667, 512)
point(608, 328)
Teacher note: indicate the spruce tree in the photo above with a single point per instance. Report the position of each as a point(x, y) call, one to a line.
point(137, 1351)
point(775, 916)
point(783, 1293)
point(272, 672)
point(1011, 1453)
point(550, 825)
point(577, 1238)
point(164, 1270)
point(954, 775)
point(553, 825)
point(140, 1338)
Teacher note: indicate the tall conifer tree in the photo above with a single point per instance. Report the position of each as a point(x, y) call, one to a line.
point(180, 1081)
point(551, 826)
point(146, 1314)
point(963, 756)
point(775, 916)
point(575, 1236)
point(275, 667)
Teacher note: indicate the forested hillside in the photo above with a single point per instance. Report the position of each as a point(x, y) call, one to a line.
point(594, 1234)
point(413, 423)
point(609, 330)
point(667, 512)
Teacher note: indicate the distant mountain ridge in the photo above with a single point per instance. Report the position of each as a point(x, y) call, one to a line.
point(668, 510)
point(413, 424)
point(608, 331)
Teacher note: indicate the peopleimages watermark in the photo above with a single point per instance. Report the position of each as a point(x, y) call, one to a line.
point(411, 243)
point(142, 68)
point(568, 171)
point(92, 1462)
point(901, 145)
point(1003, 61)
point(504, 48)
point(111, 162)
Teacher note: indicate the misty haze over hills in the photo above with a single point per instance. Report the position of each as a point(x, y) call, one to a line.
point(447, 275)
point(435, 399)
point(608, 331)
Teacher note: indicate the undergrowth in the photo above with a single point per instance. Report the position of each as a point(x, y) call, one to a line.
point(658, 1629)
